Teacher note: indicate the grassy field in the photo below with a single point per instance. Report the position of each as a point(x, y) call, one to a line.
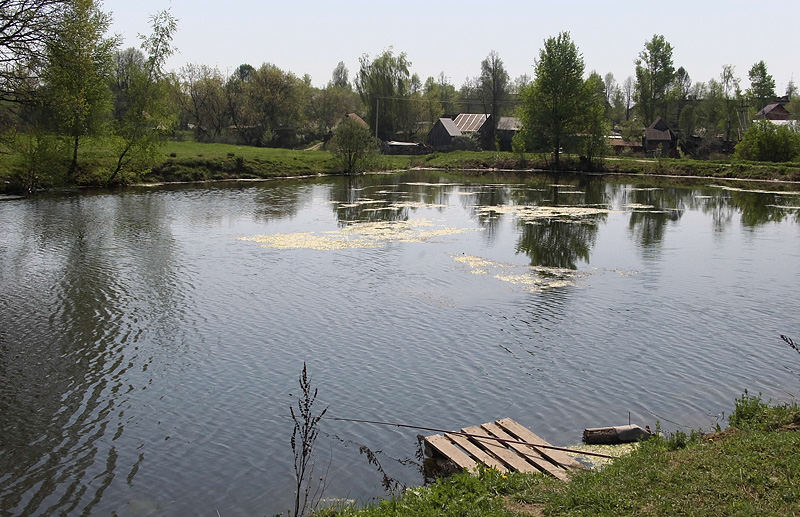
point(751, 468)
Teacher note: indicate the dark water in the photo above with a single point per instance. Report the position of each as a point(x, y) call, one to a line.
point(148, 356)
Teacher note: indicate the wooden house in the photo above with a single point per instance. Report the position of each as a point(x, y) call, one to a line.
point(507, 127)
point(775, 111)
point(441, 135)
point(659, 139)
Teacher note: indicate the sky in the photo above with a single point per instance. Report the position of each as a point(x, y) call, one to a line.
point(313, 36)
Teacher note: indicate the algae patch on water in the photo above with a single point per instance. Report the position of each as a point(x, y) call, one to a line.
point(358, 235)
point(531, 278)
point(532, 214)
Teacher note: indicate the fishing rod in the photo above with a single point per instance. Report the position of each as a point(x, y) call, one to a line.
point(481, 436)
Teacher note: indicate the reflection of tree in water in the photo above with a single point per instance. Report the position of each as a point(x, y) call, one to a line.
point(760, 208)
point(65, 344)
point(718, 207)
point(647, 225)
point(476, 196)
point(557, 243)
point(280, 200)
point(562, 242)
point(382, 198)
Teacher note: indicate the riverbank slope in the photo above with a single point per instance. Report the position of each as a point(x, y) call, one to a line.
point(751, 468)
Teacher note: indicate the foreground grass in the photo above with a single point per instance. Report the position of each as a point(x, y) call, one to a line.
point(752, 468)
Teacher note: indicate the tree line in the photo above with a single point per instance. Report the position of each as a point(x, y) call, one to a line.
point(63, 80)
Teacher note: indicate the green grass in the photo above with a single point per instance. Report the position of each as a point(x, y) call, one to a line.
point(751, 468)
point(191, 161)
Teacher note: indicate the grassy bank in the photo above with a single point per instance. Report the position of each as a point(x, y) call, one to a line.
point(619, 165)
point(191, 161)
point(751, 468)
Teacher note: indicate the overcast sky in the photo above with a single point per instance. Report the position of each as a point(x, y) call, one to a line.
point(312, 36)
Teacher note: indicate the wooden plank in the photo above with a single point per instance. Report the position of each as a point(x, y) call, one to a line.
point(513, 460)
point(528, 453)
point(526, 435)
point(451, 452)
point(476, 452)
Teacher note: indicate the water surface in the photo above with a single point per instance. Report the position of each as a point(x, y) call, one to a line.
point(151, 340)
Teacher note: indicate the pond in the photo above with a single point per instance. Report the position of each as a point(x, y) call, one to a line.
point(151, 339)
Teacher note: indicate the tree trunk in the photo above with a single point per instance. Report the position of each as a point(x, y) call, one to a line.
point(73, 167)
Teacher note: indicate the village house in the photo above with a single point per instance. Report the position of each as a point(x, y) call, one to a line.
point(775, 111)
point(443, 134)
point(659, 140)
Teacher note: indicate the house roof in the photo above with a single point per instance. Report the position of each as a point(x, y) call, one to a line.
point(509, 124)
point(470, 122)
point(774, 111)
point(358, 119)
point(658, 131)
point(450, 126)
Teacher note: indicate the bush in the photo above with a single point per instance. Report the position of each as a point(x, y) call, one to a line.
point(768, 142)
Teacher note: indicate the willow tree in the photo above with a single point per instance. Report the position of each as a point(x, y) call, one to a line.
point(552, 107)
point(384, 85)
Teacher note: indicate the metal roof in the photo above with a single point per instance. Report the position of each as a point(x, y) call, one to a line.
point(470, 122)
point(450, 126)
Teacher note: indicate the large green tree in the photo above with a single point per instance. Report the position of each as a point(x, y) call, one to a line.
point(595, 123)
point(762, 85)
point(278, 100)
point(80, 60)
point(654, 76)
point(384, 85)
point(552, 105)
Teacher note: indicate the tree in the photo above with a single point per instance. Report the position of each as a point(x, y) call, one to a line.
point(730, 92)
point(79, 67)
point(146, 115)
point(767, 142)
point(552, 106)
point(353, 145)
point(791, 90)
point(327, 106)
point(654, 75)
point(628, 92)
point(278, 101)
point(339, 77)
point(493, 87)
point(384, 85)
point(595, 123)
point(27, 26)
point(680, 96)
point(203, 100)
point(762, 85)
point(238, 102)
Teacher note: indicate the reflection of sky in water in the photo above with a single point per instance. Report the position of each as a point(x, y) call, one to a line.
point(148, 354)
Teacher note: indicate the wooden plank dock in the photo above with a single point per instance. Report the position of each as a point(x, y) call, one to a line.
point(504, 445)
